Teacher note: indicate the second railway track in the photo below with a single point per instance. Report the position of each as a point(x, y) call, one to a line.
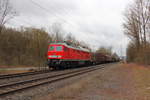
point(23, 74)
point(14, 87)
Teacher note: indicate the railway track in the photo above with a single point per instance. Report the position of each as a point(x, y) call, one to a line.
point(14, 87)
point(23, 74)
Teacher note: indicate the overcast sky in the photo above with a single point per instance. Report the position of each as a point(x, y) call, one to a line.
point(96, 22)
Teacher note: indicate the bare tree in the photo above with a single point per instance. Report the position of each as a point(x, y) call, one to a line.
point(144, 17)
point(131, 27)
point(6, 12)
point(137, 21)
point(137, 28)
point(71, 38)
point(57, 31)
point(105, 50)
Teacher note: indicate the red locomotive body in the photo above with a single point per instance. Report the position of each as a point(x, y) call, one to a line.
point(62, 55)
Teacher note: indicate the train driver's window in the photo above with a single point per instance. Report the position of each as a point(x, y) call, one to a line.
point(51, 48)
point(59, 48)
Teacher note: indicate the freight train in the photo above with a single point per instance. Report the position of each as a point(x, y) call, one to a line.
point(66, 55)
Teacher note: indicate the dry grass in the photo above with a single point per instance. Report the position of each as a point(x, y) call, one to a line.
point(142, 80)
point(8, 70)
point(17, 66)
point(11, 72)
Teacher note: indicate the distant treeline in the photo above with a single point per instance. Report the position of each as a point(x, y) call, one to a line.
point(25, 47)
point(137, 28)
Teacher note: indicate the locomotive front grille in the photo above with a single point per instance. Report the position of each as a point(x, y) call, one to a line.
point(53, 62)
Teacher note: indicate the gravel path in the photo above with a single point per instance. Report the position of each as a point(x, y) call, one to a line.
point(115, 82)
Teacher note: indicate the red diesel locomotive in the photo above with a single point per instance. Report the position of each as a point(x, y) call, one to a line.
point(64, 55)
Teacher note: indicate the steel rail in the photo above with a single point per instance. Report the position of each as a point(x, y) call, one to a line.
point(23, 74)
point(63, 76)
point(38, 79)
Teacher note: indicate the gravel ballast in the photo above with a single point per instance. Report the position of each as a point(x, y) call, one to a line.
point(44, 89)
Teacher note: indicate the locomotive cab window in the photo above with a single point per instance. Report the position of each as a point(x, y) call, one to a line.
point(51, 48)
point(59, 48)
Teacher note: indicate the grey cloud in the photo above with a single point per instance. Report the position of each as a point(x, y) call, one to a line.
point(97, 22)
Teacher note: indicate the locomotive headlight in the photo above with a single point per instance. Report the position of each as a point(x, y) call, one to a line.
point(52, 56)
point(59, 56)
point(55, 56)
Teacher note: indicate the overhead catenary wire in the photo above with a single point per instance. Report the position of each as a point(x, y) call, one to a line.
point(56, 9)
point(21, 23)
point(48, 12)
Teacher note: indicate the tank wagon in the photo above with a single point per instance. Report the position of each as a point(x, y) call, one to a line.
point(66, 55)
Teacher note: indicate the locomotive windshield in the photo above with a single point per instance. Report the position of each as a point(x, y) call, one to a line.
point(55, 48)
point(58, 48)
point(51, 48)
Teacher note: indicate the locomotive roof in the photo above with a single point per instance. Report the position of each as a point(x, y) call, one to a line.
point(70, 46)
